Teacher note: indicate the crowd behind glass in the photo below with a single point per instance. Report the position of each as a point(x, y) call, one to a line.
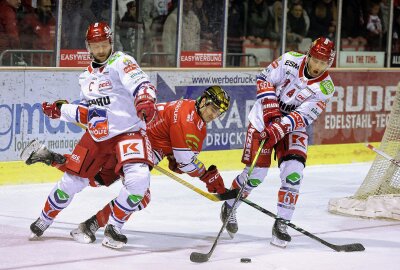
point(148, 29)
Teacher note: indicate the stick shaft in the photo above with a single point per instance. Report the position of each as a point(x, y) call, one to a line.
point(383, 154)
point(209, 196)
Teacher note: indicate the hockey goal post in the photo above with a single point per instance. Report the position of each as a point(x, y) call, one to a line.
point(379, 194)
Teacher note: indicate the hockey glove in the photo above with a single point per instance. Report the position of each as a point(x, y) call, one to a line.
point(53, 110)
point(213, 180)
point(146, 107)
point(273, 134)
point(271, 110)
point(173, 165)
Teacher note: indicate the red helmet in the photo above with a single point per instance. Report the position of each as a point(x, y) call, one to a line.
point(322, 49)
point(99, 31)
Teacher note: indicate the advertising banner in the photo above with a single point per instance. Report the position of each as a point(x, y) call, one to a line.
point(363, 59)
point(200, 59)
point(358, 111)
point(74, 58)
point(395, 60)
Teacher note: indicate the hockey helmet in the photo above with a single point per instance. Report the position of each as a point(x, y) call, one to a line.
point(217, 96)
point(99, 31)
point(323, 49)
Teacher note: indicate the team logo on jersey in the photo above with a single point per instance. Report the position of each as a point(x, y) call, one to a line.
point(290, 93)
point(200, 124)
point(192, 141)
point(291, 64)
point(98, 122)
point(287, 81)
point(190, 117)
point(101, 101)
point(326, 87)
point(105, 85)
point(132, 148)
point(130, 67)
point(321, 105)
point(127, 61)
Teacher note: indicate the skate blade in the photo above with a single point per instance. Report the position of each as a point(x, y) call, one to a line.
point(80, 237)
point(278, 242)
point(33, 237)
point(108, 242)
point(231, 234)
point(33, 146)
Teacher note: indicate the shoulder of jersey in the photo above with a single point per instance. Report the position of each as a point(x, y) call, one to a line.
point(119, 57)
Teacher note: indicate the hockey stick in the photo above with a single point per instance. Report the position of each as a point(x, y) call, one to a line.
point(383, 154)
point(204, 257)
point(213, 197)
point(345, 248)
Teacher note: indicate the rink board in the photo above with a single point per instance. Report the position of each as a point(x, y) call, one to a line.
point(16, 172)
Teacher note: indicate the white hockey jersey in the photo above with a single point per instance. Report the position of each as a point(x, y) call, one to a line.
point(107, 98)
point(301, 100)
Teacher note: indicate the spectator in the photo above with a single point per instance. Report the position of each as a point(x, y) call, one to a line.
point(259, 21)
point(190, 31)
point(9, 36)
point(396, 31)
point(38, 32)
point(384, 15)
point(352, 27)
point(374, 29)
point(206, 35)
point(297, 26)
point(128, 28)
point(79, 18)
point(276, 11)
point(154, 14)
point(236, 31)
point(201, 14)
point(321, 22)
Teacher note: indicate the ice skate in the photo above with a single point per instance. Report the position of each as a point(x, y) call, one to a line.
point(37, 152)
point(113, 238)
point(280, 237)
point(86, 231)
point(231, 226)
point(37, 228)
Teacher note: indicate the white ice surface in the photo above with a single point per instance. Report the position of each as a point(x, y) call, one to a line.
point(179, 221)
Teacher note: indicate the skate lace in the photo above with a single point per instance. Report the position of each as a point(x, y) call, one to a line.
point(41, 225)
point(116, 230)
point(93, 226)
point(232, 217)
point(282, 227)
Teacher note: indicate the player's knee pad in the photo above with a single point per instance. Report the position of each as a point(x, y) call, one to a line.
point(291, 173)
point(72, 184)
point(256, 178)
point(137, 178)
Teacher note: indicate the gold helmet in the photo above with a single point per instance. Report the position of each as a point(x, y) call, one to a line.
point(217, 96)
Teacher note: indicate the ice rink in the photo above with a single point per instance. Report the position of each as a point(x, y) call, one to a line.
point(179, 221)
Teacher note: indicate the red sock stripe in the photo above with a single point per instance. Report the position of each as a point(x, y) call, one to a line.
point(49, 210)
point(103, 215)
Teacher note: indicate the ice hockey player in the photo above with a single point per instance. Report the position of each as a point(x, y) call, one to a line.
point(292, 92)
point(117, 99)
point(178, 133)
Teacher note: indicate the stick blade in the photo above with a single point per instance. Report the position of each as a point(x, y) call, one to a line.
point(350, 247)
point(199, 257)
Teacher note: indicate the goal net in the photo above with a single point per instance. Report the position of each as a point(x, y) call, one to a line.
point(379, 194)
